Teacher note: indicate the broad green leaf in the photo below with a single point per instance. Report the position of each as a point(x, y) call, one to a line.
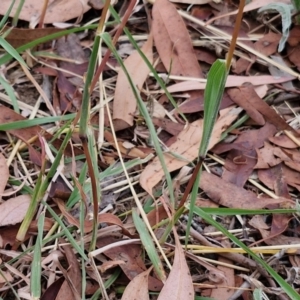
point(213, 93)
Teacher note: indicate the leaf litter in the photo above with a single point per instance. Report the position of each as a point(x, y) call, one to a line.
point(253, 162)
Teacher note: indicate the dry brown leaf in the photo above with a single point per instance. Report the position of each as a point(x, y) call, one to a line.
point(241, 160)
point(8, 115)
point(88, 224)
point(4, 173)
point(52, 291)
point(194, 2)
point(137, 287)
point(173, 42)
point(124, 101)
point(179, 284)
point(255, 4)
point(57, 11)
point(222, 292)
point(131, 256)
point(283, 141)
point(267, 45)
point(133, 152)
point(229, 195)
point(239, 98)
point(232, 81)
point(266, 158)
point(21, 36)
point(5, 277)
point(71, 287)
point(186, 145)
point(13, 211)
point(246, 97)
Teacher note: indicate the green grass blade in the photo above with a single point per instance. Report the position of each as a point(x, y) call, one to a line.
point(213, 93)
point(17, 13)
point(7, 57)
point(192, 205)
point(6, 16)
point(37, 121)
point(284, 285)
point(148, 244)
point(36, 269)
point(12, 51)
point(221, 211)
point(66, 231)
point(10, 92)
point(143, 110)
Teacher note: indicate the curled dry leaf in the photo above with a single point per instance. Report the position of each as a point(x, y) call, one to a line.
point(13, 210)
point(173, 42)
point(138, 287)
point(186, 145)
point(179, 284)
point(124, 101)
point(57, 11)
point(4, 174)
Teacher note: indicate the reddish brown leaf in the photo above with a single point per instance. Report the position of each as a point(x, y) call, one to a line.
point(173, 42)
point(179, 284)
point(88, 224)
point(246, 97)
point(60, 11)
point(133, 263)
point(259, 223)
point(283, 141)
point(8, 234)
point(25, 134)
point(266, 158)
point(222, 292)
point(52, 291)
point(137, 287)
point(240, 97)
point(294, 55)
point(73, 280)
point(134, 152)
point(4, 173)
point(294, 36)
point(21, 36)
point(13, 211)
point(267, 45)
point(168, 125)
point(229, 195)
point(241, 159)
